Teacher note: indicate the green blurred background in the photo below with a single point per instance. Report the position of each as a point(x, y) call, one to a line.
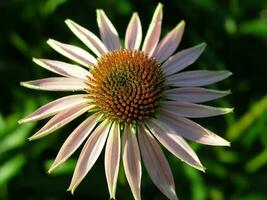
point(236, 34)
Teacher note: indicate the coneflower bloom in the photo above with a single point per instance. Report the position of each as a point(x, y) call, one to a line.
point(134, 98)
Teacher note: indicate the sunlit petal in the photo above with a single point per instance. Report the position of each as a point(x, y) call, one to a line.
point(89, 154)
point(132, 161)
point(74, 53)
point(156, 164)
point(133, 35)
point(87, 37)
point(108, 33)
point(169, 43)
point(112, 159)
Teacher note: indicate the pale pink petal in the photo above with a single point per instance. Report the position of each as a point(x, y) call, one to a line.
point(156, 164)
point(62, 68)
point(192, 110)
point(56, 84)
point(197, 78)
point(153, 32)
point(194, 94)
point(132, 161)
point(61, 119)
point(74, 53)
point(74, 141)
point(169, 43)
point(112, 159)
point(191, 130)
point(182, 59)
point(55, 107)
point(87, 37)
point(174, 143)
point(108, 33)
point(133, 35)
point(89, 154)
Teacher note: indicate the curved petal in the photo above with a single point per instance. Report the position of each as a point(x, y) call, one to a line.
point(61, 119)
point(62, 68)
point(132, 161)
point(169, 43)
point(153, 32)
point(192, 110)
point(55, 107)
point(112, 159)
point(108, 33)
point(74, 53)
point(74, 141)
point(197, 78)
point(156, 164)
point(174, 143)
point(182, 59)
point(191, 130)
point(194, 94)
point(133, 35)
point(56, 84)
point(89, 154)
point(87, 37)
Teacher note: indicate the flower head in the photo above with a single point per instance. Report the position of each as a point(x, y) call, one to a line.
point(129, 92)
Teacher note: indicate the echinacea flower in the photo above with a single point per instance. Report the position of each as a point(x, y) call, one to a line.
point(131, 92)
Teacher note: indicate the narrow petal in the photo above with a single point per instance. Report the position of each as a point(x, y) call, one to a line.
point(194, 94)
point(74, 53)
point(153, 32)
point(61, 119)
point(191, 130)
point(197, 78)
point(89, 154)
point(183, 59)
point(74, 141)
point(55, 107)
point(62, 68)
point(108, 33)
point(112, 159)
point(56, 84)
point(174, 143)
point(133, 35)
point(156, 164)
point(169, 43)
point(192, 110)
point(132, 161)
point(87, 37)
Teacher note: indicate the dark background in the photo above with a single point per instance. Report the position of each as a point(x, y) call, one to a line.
point(236, 34)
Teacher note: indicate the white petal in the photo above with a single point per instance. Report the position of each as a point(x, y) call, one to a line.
point(191, 130)
point(112, 158)
point(153, 32)
point(74, 53)
point(89, 154)
point(174, 143)
point(62, 68)
point(56, 84)
point(55, 107)
point(108, 33)
point(133, 35)
point(61, 119)
point(197, 78)
point(192, 110)
point(169, 43)
point(74, 141)
point(194, 94)
point(132, 161)
point(156, 164)
point(183, 59)
point(87, 37)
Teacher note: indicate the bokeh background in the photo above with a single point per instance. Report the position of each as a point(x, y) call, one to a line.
point(236, 34)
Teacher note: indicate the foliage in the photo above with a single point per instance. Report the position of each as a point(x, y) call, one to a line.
point(236, 34)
